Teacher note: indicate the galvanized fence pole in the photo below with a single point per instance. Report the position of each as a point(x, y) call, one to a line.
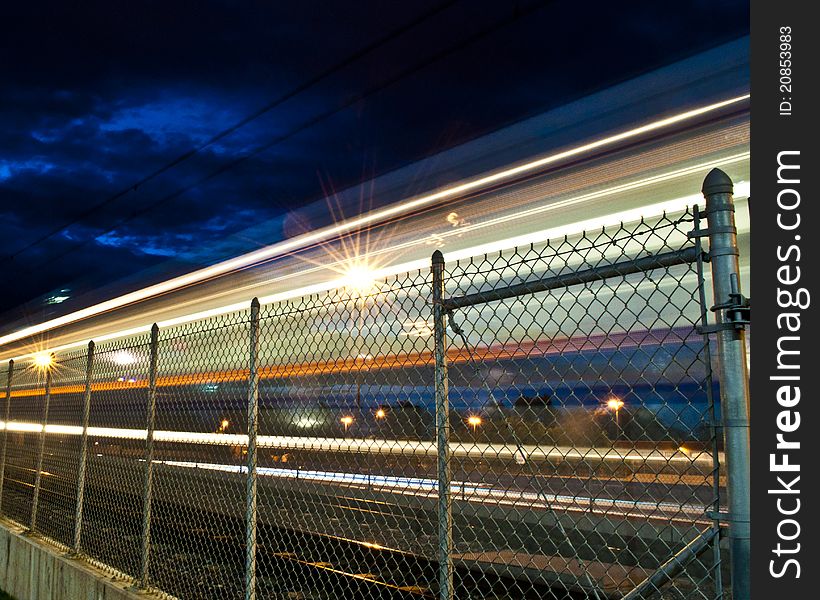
point(253, 426)
point(149, 458)
point(730, 309)
point(445, 517)
point(38, 471)
point(78, 509)
point(4, 443)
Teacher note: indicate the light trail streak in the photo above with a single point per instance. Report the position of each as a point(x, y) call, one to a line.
point(742, 190)
point(470, 492)
point(455, 355)
point(351, 225)
point(372, 446)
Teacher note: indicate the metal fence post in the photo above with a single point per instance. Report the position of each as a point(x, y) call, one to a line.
point(149, 458)
point(732, 369)
point(253, 426)
point(38, 471)
point(445, 517)
point(78, 511)
point(6, 413)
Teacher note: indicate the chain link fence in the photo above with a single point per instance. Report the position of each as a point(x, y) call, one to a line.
point(539, 422)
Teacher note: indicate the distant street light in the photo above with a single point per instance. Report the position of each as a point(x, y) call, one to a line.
point(380, 414)
point(346, 421)
point(474, 422)
point(123, 358)
point(616, 404)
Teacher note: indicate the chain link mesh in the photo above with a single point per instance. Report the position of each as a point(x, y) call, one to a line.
point(345, 425)
point(583, 411)
point(116, 452)
point(21, 452)
point(582, 434)
point(58, 493)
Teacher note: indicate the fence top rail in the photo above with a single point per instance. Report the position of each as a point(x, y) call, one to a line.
point(597, 273)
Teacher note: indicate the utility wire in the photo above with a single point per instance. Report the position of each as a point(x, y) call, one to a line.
point(516, 14)
point(302, 87)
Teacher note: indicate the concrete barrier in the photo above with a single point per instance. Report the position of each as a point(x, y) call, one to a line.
point(34, 569)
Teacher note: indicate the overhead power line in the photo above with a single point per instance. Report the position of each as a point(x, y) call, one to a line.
point(302, 87)
point(516, 13)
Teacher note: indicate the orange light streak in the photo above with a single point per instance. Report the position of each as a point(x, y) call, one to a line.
point(393, 361)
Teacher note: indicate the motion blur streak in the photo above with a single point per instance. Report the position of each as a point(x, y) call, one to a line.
point(742, 190)
point(349, 365)
point(469, 491)
point(374, 446)
point(361, 222)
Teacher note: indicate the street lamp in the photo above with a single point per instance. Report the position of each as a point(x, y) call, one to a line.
point(359, 278)
point(474, 421)
point(380, 414)
point(346, 421)
point(616, 404)
point(123, 358)
point(44, 360)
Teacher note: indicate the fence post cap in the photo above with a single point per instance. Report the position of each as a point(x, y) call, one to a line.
point(438, 258)
point(717, 182)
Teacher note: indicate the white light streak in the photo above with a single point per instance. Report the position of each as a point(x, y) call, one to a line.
point(363, 446)
point(676, 205)
point(466, 491)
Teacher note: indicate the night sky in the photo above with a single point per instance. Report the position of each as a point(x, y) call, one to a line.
point(98, 95)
